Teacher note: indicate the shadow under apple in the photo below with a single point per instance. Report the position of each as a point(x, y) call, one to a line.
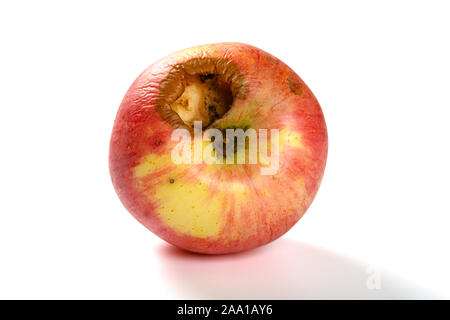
point(284, 269)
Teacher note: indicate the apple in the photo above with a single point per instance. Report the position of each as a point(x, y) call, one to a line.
point(217, 208)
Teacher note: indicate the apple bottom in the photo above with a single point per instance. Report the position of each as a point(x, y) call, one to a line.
point(219, 245)
point(186, 206)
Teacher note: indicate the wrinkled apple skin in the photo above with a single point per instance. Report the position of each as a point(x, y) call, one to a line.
point(217, 209)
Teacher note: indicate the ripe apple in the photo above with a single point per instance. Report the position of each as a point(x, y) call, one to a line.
point(217, 208)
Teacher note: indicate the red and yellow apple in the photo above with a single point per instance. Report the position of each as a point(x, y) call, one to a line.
point(217, 208)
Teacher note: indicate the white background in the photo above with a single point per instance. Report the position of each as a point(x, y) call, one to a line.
point(381, 71)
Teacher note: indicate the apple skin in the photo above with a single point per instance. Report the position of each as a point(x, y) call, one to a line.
point(216, 209)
